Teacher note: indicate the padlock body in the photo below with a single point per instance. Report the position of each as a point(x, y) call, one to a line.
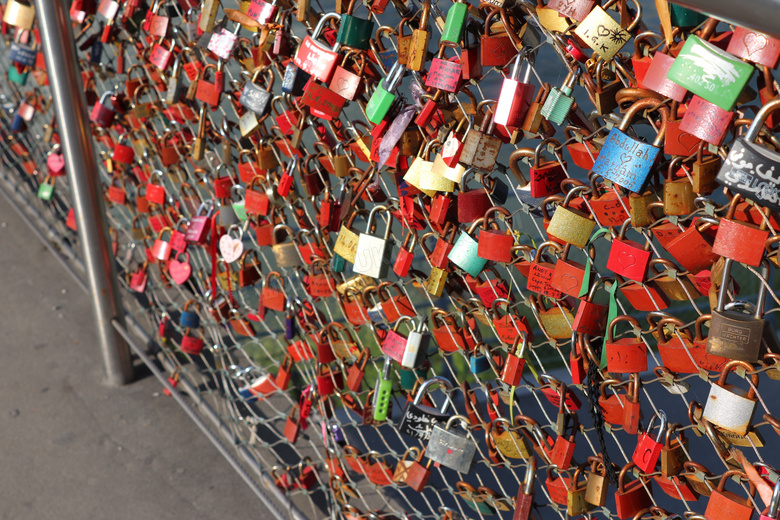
point(729, 408)
point(735, 335)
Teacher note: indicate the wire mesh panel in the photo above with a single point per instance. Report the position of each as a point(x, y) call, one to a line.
point(427, 270)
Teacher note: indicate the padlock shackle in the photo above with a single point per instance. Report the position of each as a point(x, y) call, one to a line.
point(758, 122)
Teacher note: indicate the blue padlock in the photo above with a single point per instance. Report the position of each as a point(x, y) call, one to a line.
point(189, 319)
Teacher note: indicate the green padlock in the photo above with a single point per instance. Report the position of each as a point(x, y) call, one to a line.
point(338, 263)
point(559, 101)
point(685, 18)
point(464, 252)
point(456, 19)
point(710, 73)
point(355, 32)
point(20, 78)
point(238, 205)
point(383, 96)
point(46, 189)
point(384, 390)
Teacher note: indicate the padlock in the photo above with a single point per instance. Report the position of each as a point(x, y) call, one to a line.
point(525, 494)
point(444, 74)
point(541, 272)
point(632, 408)
point(648, 449)
point(481, 147)
point(286, 253)
point(313, 57)
point(103, 111)
point(354, 32)
point(512, 373)
point(570, 225)
point(576, 504)
point(596, 491)
point(394, 305)
point(563, 449)
point(559, 102)
point(678, 194)
point(161, 249)
point(418, 420)
point(192, 345)
point(633, 497)
point(677, 286)
point(626, 355)
point(405, 255)
point(693, 69)
point(417, 54)
point(749, 169)
point(569, 276)
point(603, 34)
point(696, 475)
point(706, 121)
point(673, 453)
point(496, 246)
point(372, 255)
point(516, 96)
point(770, 513)
point(692, 249)
point(728, 504)
point(591, 318)
point(497, 50)
point(384, 96)
point(448, 448)
point(733, 334)
point(199, 225)
point(555, 321)
point(627, 161)
point(628, 258)
point(46, 188)
point(728, 406)
point(255, 98)
point(464, 253)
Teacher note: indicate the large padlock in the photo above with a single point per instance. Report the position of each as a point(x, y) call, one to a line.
point(603, 34)
point(730, 407)
point(733, 334)
point(627, 161)
point(515, 97)
point(448, 448)
point(384, 96)
point(496, 245)
point(570, 225)
point(698, 68)
point(418, 420)
point(286, 253)
point(753, 171)
point(354, 32)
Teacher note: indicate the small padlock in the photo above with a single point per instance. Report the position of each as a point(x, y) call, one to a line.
point(648, 450)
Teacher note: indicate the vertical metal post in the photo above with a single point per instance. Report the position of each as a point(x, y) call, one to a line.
point(73, 126)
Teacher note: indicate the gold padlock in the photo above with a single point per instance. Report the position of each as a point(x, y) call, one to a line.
point(436, 281)
point(418, 45)
point(678, 193)
point(347, 240)
point(678, 288)
point(556, 321)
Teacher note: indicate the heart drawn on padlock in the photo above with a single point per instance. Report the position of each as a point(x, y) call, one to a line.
point(231, 248)
point(626, 259)
point(343, 85)
point(754, 43)
point(180, 271)
point(569, 282)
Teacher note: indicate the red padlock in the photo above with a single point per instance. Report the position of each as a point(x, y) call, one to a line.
point(692, 249)
point(740, 241)
point(496, 245)
point(627, 258)
point(512, 373)
point(569, 275)
point(626, 355)
point(631, 498)
point(591, 318)
point(541, 273)
point(648, 449)
point(727, 504)
point(403, 260)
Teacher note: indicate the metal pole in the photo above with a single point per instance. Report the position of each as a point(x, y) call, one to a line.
point(760, 15)
point(68, 93)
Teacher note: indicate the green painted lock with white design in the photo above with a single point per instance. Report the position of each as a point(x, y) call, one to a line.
point(46, 189)
point(464, 252)
point(353, 31)
point(710, 73)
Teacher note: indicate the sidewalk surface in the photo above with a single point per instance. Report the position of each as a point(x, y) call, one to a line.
point(73, 448)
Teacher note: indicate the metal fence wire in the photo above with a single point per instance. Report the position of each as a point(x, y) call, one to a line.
point(236, 234)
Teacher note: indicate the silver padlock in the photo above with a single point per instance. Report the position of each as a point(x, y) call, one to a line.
point(416, 345)
point(286, 253)
point(734, 334)
point(728, 406)
point(451, 449)
point(372, 256)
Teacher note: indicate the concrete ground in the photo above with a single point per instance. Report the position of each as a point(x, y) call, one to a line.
point(72, 448)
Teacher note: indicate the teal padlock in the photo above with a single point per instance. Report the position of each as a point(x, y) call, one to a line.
point(685, 18)
point(479, 361)
point(456, 19)
point(20, 78)
point(464, 252)
point(408, 378)
point(559, 102)
point(382, 99)
point(46, 189)
point(353, 31)
point(338, 263)
point(710, 73)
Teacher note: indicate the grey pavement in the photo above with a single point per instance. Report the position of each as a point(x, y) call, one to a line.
point(73, 448)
